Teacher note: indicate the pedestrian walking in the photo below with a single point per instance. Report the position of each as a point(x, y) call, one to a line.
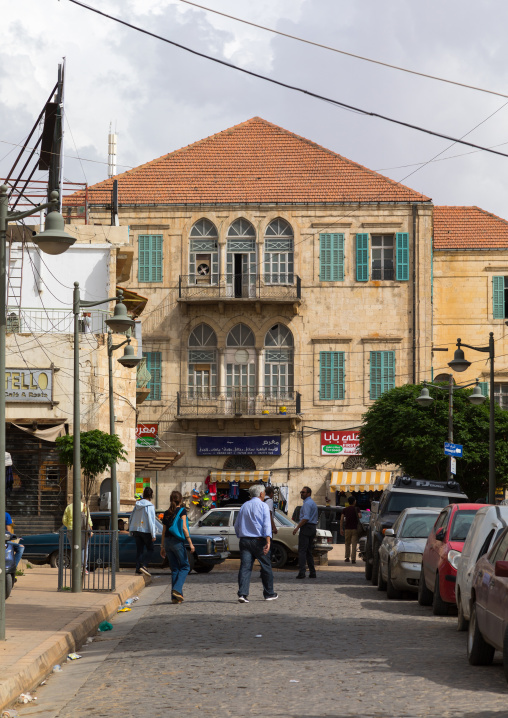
point(349, 528)
point(253, 528)
point(175, 532)
point(307, 526)
point(142, 527)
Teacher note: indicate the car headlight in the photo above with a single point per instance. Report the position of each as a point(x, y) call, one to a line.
point(410, 557)
point(453, 558)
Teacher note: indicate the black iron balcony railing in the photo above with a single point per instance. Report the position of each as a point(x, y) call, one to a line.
point(269, 287)
point(269, 403)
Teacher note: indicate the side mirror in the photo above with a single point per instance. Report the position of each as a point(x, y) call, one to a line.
point(200, 523)
point(374, 507)
point(501, 569)
point(440, 534)
point(389, 532)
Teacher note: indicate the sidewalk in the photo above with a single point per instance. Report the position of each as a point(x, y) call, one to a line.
point(44, 625)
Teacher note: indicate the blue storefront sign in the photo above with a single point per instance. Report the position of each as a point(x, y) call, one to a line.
point(238, 445)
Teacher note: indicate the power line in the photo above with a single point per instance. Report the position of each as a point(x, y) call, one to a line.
point(295, 88)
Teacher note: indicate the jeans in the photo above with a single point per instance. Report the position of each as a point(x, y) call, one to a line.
point(251, 549)
point(306, 538)
point(18, 552)
point(178, 562)
point(143, 542)
point(351, 539)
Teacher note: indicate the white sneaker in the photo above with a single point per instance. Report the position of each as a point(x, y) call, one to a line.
point(145, 571)
point(243, 599)
point(272, 598)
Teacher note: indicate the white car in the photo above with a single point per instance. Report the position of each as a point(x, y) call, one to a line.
point(221, 522)
point(487, 525)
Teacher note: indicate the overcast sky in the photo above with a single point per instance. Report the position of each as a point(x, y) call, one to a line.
point(160, 98)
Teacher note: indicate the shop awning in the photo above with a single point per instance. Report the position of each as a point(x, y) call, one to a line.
point(134, 302)
point(359, 480)
point(150, 460)
point(240, 476)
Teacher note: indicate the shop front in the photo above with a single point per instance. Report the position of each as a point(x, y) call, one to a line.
point(365, 486)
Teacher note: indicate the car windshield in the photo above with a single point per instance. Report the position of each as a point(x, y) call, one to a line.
point(461, 524)
point(399, 502)
point(283, 519)
point(418, 525)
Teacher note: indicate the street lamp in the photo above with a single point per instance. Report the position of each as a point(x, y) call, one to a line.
point(130, 360)
point(460, 363)
point(118, 323)
point(53, 240)
point(426, 400)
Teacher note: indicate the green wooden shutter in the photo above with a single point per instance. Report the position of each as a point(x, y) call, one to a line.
point(150, 258)
point(331, 257)
point(498, 297)
point(331, 375)
point(153, 364)
point(382, 373)
point(362, 257)
point(484, 387)
point(402, 256)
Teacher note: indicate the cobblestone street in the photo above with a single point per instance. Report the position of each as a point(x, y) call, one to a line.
point(330, 647)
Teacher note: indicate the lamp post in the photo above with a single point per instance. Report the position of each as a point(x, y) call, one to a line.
point(460, 363)
point(53, 240)
point(130, 360)
point(118, 323)
point(426, 400)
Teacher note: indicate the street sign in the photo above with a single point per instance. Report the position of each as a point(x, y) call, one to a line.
point(453, 449)
point(453, 466)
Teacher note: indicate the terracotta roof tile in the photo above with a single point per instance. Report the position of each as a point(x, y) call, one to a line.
point(255, 161)
point(468, 228)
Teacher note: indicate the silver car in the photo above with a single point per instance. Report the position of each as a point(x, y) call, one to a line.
point(400, 553)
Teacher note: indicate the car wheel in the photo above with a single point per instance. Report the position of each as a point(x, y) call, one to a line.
point(381, 583)
point(479, 652)
point(375, 564)
point(424, 595)
point(203, 567)
point(462, 622)
point(9, 582)
point(279, 555)
point(368, 562)
point(391, 591)
point(439, 607)
point(54, 560)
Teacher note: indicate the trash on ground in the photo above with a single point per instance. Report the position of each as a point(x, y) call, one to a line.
point(89, 639)
point(259, 635)
point(42, 683)
point(10, 713)
point(123, 609)
point(26, 698)
point(293, 681)
point(73, 656)
point(57, 668)
point(105, 626)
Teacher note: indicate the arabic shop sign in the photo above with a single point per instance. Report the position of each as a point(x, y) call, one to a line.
point(146, 434)
point(238, 445)
point(29, 385)
point(344, 443)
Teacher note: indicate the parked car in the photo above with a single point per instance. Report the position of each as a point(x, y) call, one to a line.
point(209, 550)
point(400, 554)
point(487, 525)
point(488, 619)
point(440, 557)
point(221, 521)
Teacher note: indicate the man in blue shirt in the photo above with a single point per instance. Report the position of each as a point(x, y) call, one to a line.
point(307, 527)
point(253, 528)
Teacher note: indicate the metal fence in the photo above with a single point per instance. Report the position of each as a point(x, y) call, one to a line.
point(280, 287)
point(100, 561)
point(238, 403)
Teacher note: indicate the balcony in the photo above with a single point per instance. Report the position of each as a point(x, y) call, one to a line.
point(55, 321)
point(238, 405)
point(241, 289)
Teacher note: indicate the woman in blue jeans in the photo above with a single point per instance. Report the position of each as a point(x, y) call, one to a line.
point(175, 532)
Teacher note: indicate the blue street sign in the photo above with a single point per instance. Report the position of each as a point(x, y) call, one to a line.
point(453, 449)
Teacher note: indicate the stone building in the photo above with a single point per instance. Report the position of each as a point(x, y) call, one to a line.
point(287, 288)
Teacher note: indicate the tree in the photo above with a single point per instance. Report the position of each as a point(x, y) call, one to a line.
point(397, 430)
point(98, 452)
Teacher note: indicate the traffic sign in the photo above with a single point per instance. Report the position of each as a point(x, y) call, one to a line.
point(453, 466)
point(453, 449)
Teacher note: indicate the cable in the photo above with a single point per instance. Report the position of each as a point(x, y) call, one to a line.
point(343, 52)
point(315, 95)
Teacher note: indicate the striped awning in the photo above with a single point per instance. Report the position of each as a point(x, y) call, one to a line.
point(240, 476)
point(359, 480)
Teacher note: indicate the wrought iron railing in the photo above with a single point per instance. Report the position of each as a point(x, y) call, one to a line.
point(59, 321)
point(274, 403)
point(100, 560)
point(276, 287)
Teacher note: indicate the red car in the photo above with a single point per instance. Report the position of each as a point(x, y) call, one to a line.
point(436, 586)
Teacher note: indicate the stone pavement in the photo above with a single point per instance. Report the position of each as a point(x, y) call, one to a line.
point(331, 647)
point(44, 625)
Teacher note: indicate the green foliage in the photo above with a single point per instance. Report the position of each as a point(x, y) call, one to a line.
point(98, 451)
point(398, 431)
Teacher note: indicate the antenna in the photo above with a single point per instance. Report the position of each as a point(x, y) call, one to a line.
point(112, 140)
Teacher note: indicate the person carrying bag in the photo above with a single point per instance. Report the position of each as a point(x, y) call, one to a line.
point(175, 533)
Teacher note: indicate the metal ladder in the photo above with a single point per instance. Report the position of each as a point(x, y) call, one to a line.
point(15, 259)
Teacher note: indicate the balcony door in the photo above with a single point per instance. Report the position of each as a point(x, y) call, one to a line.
point(241, 265)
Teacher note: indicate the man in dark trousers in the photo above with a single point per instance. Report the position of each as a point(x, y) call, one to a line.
point(349, 527)
point(307, 527)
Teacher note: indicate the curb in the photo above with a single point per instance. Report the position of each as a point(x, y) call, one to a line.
point(36, 665)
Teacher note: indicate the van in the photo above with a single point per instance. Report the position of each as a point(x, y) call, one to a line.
point(488, 523)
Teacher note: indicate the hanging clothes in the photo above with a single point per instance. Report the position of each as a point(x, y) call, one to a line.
point(234, 490)
point(284, 495)
point(9, 477)
point(212, 487)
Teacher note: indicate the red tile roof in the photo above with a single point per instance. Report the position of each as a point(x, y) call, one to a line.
point(468, 228)
point(255, 161)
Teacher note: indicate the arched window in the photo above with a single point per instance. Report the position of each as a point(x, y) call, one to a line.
point(443, 379)
point(241, 365)
point(241, 265)
point(202, 361)
point(279, 379)
point(279, 252)
point(203, 253)
point(240, 336)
